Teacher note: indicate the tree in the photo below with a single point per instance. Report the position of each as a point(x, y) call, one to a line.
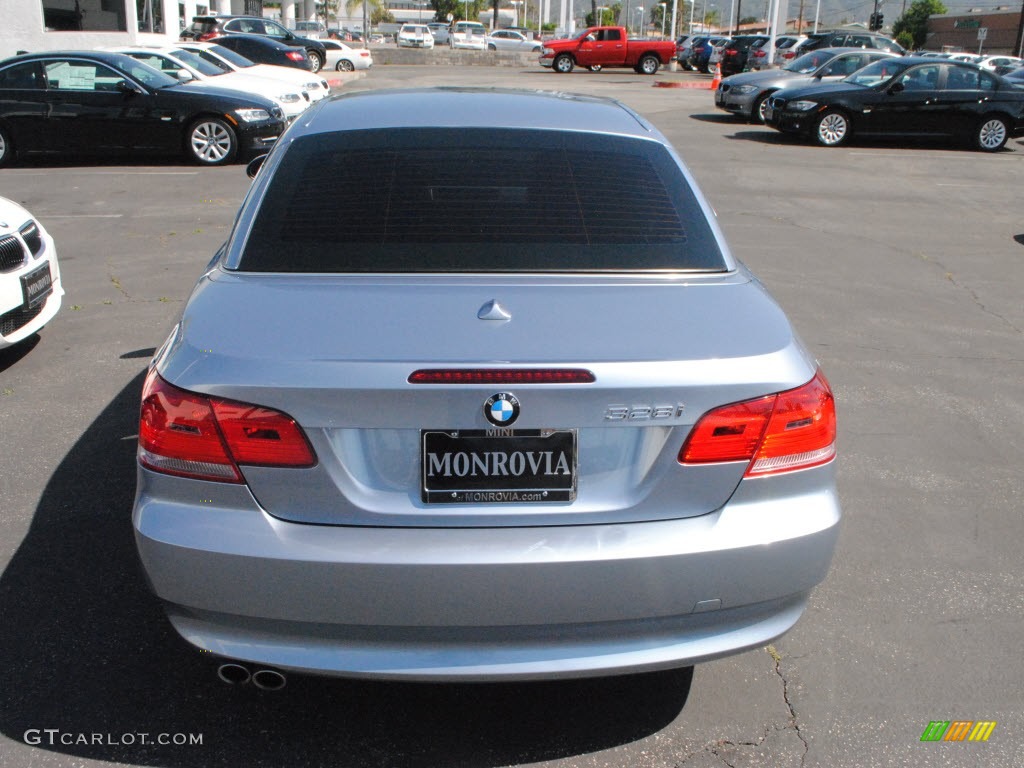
point(606, 18)
point(381, 15)
point(915, 20)
point(459, 9)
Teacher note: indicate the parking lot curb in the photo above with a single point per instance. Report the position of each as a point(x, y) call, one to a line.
point(682, 84)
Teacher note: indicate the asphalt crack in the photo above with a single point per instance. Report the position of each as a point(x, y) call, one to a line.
point(777, 658)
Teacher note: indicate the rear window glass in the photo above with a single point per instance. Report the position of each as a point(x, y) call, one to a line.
point(452, 200)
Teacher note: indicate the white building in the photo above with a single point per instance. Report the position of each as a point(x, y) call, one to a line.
point(46, 25)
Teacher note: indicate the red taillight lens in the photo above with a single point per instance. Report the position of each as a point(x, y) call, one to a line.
point(296, 55)
point(502, 376)
point(206, 36)
point(261, 436)
point(178, 434)
point(790, 430)
point(190, 435)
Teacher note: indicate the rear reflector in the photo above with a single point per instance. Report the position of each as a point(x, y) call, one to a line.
point(502, 376)
point(790, 430)
point(191, 435)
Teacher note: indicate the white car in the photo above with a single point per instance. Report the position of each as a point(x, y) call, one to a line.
point(468, 34)
point(415, 36)
point(1000, 63)
point(190, 68)
point(510, 40)
point(30, 289)
point(344, 58)
point(230, 61)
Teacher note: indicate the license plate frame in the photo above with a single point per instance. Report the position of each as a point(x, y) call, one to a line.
point(32, 295)
point(465, 466)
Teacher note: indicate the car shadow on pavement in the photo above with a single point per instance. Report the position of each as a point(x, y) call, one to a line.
point(764, 135)
point(716, 117)
point(91, 663)
point(11, 355)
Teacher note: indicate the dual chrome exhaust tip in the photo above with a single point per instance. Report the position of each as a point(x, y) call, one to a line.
point(239, 674)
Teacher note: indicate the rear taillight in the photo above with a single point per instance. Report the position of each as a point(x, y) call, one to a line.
point(202, 38)
point(190, 435)
point(790, 430)
point(296, 55)
point(759, 54)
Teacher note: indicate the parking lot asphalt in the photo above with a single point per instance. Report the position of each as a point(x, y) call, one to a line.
point(901, 267)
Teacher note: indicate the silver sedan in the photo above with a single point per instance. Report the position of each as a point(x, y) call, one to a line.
point(453, 426)
point(746, 94)
point(510, 40)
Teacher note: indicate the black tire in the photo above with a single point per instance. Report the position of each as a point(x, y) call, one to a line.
point(595, 67)
point(316, 61)
point(991, 133)
point(6, 147)
point(491, 47)
point(648, 65)
point(211, 141)
point(344, 65)
point(757, 109)
point(832, 129)
point(563, 64)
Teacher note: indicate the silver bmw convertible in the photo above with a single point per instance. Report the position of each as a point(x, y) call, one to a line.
point(455, 426)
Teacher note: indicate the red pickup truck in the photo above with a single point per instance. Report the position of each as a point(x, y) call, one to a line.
point(599, 47)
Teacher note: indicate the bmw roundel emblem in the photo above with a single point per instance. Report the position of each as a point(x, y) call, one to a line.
point(501, 409)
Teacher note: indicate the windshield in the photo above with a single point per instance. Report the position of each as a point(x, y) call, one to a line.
point(231, 57)
point(145, 74)
point(880, 71)
point(809, 62)
point(209, 58)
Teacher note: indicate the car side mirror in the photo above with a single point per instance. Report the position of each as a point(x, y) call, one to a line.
point(184, 76)
point(128, 89)
point(896, 88)
point(590, 38)
point(254, 166)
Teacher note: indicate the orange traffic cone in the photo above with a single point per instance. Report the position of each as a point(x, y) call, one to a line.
point(717, 79)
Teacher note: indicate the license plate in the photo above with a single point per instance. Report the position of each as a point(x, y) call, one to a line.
point(498, 466)
point(36, 286)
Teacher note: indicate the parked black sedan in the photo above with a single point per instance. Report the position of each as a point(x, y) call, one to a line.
point(912, 97)
point(264, 50)
point(92, 102)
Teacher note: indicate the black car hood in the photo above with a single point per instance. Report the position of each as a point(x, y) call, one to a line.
point(817, 91)
point(221, 97)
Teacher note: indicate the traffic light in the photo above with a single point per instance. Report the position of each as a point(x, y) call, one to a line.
point(875, 22)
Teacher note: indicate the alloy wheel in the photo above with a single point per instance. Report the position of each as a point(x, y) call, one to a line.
point(211, 141)
point(992, 135)
point(832, 129)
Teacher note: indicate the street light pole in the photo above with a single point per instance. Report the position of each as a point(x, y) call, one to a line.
point(663, 5)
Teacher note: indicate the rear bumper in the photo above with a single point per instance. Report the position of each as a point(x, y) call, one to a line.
point(485, 603)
